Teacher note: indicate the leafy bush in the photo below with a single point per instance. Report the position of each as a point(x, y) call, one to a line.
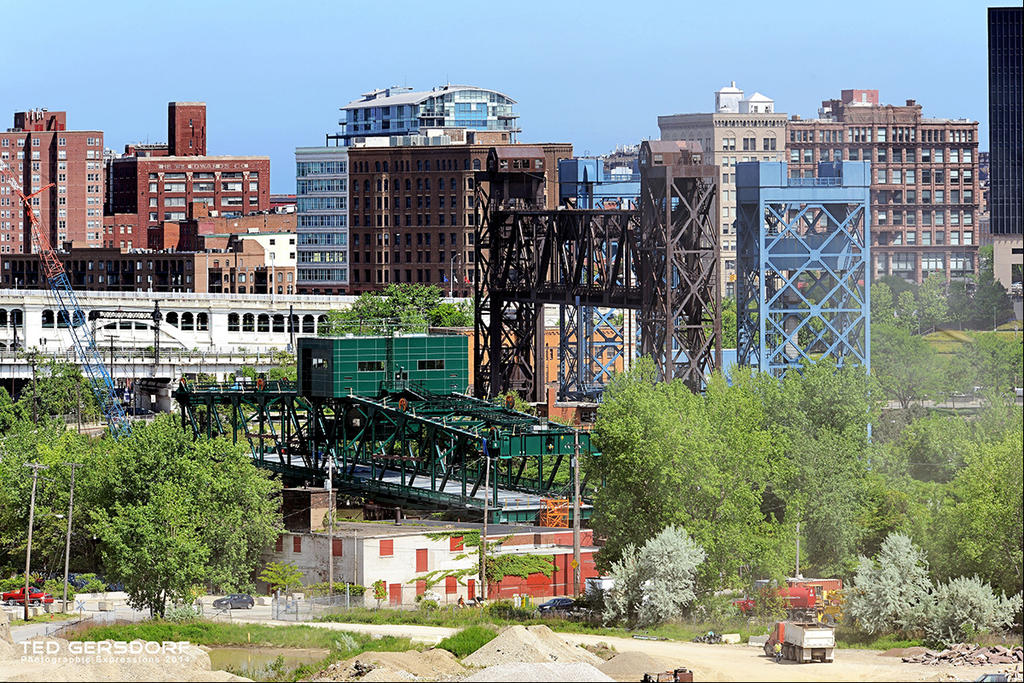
point(965, 607)
point(320, 589)
point(893, 592)
point(181, 614)
point(55, 587)
point(428, 605)
point(654, 584)
point(92, 584)
point(467, 641)
point(506, 609)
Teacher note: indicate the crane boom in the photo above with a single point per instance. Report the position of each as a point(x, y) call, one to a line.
point(71, 312)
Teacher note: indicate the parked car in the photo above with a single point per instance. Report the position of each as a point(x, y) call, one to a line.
point(556, 606)
point(234, 601)
point(35, 597)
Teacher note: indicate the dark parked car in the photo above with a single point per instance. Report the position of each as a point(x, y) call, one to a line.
point(556, 606)
point(234, 601)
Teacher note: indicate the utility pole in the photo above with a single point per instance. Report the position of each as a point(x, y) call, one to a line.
point(35, 417)
point(31, 518)
point(483, 535)
point(576, 569)
point(67, 547)
point(798, 549)
point(330, 542)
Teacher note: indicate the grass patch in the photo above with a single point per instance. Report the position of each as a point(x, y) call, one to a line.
point(851, 638)
point(468, 640)
point(211, 633)
point(44, 618)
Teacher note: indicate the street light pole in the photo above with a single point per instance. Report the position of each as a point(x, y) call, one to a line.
point(31, 518)
point(330, 542)
point(483, 535)
point(67, 547)
point(451, 276)
point(576, 569)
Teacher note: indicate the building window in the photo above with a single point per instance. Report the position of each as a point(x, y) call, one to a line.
point(387, 548)
point(296, 544)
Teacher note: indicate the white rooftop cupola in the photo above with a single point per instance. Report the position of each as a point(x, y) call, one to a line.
point(728, 98)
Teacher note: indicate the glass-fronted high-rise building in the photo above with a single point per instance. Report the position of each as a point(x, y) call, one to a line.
point(402, 111)
point(321, 206)
point(1006, 138)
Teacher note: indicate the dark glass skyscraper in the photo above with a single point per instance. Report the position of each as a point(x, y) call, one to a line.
point(1006, 119)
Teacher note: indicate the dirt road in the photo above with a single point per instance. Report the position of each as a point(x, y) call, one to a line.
point(745, 663)
point(714, 662)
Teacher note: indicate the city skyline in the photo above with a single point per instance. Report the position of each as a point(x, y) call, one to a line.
point(275, 81)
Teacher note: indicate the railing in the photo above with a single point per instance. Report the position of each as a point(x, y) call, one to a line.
point(145, 356)
point(814, 182)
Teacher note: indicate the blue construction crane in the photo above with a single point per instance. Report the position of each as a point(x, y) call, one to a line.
point(89, 356)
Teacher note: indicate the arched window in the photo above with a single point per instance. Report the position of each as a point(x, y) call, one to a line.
point(295, 324)
point(307, 324)
point(171, 319)
point(17, 318)
point(321, 324)
point(278, 323)
point(188, 322)
point(476, 164)
point(202, 322)
point(248, 323)
point(48, 319)
point(3, 317)
point(263, 323)
point(233, 322)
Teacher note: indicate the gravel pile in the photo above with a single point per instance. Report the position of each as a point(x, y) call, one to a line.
point(518, 644)
point(631, 666)
point(541, 671)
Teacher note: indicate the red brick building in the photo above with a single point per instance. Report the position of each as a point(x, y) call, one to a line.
point(924, 191)
point(412, 213)
point(158, 183)
point(41, 150)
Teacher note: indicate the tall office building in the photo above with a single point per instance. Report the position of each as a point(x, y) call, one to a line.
point(740, 129)
point(1006, 122)
point(924, 189)
point(401, 111)
point(41, 150)
point(321, 207)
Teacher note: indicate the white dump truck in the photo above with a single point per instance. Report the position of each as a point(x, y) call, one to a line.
point(802, 641)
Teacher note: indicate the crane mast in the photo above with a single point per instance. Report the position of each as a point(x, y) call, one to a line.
point(71, 312)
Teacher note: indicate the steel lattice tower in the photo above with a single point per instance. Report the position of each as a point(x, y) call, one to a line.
point(661, 261)
point(803, 287)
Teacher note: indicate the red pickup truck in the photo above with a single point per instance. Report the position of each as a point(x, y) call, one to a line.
point(35, 597)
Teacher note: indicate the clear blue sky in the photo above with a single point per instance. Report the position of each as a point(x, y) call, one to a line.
point(595, 74)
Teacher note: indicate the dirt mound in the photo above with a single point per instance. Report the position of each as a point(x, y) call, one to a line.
point(541, 671)
point(631, 666)
point(54, 659)
point(517, 644)
point(389, 666)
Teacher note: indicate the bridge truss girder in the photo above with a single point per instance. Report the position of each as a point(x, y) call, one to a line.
point(681, 316)
point(803, 282)
point(581, 260)
point(436, 446)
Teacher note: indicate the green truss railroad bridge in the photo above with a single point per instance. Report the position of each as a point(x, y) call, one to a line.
point(391, 419)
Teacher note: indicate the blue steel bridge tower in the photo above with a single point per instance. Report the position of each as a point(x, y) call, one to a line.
point(803, 278)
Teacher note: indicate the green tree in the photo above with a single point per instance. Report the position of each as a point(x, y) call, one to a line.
point(906, 366)
point(10, 412)
point(982, 522)
point(907, 312)
point(992, 360)
point(224, 514)
point(282, 576)
point(670, 457)
point(931, 297)
point(655, 583)
point(883, 305)
point(990, 302)
point(892, 592)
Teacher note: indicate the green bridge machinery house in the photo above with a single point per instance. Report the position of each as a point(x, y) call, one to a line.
point(392, 416)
